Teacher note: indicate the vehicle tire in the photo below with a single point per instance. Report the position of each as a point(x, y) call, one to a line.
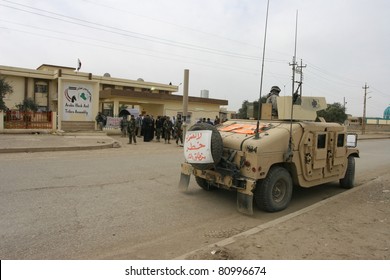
point(348, 182)
point(274, 192)
point(204, 184)
point(216, 145)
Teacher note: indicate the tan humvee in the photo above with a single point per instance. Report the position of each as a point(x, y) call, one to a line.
point(301, 152)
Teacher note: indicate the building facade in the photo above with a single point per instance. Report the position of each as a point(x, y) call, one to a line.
point(77, 97)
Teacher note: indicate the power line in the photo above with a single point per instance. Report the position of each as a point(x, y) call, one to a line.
point(173, 24)
point(119, 44)
point(381, 92)
point(128, 33)
point(215, 65)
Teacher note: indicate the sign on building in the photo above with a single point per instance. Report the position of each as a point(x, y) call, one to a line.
point(77, 102)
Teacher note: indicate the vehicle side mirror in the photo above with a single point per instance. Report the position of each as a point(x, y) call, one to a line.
point(352, 140)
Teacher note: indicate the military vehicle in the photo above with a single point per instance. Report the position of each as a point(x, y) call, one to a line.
point(291, 150)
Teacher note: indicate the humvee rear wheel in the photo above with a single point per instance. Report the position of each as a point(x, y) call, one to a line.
point(348, 182)
point(274, 192)
point(204, 184)
point(216, 145)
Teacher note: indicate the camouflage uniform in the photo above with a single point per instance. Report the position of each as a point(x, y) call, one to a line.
point(168, 128)
point(159, 128)
point(272, 97)
point(179, 131)
point(100, 120)
point(131, 130)
point(123, 125)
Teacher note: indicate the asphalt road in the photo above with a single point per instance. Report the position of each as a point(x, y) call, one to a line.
point(125, 204)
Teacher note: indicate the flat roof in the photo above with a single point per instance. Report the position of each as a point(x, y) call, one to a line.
point(55, 66)
point(109, 93)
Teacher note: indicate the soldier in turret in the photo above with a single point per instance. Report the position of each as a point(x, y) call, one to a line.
point(272, 97)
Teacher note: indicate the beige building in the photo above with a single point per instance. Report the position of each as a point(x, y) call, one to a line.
point(77, 97)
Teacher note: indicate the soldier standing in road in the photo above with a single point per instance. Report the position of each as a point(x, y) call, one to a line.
point(131, 130)
point(159, 126)
point(138, 124)
point(168, 129)
point(123, 126)
point(179, 131)
point(100, 120)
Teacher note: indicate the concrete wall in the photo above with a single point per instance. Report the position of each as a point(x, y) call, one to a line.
point(378, 121)
point(370, 128)
point(17, 96)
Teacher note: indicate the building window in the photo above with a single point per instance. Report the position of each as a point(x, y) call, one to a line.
point(107, 86)
point(187, 119)
point(41, 88)
point(129, 88)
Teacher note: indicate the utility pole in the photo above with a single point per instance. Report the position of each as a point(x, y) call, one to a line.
point(299, 70)
point(344, 102)
point(185, 100)
point(364, 109)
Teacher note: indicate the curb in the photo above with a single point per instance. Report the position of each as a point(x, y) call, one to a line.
point(114, 144)
point(267, 225)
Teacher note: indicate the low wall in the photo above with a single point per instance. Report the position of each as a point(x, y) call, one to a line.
point(43, 129)
point(370, 128)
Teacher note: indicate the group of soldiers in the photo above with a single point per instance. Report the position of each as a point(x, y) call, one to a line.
point(147, 127)
point(204, 120)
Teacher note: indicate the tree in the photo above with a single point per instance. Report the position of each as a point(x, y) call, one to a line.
point(333, 113)
point(28, 104)
point(242, 112)
point(5, 88)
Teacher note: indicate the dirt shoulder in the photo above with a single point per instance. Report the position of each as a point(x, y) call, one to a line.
point(354, 225)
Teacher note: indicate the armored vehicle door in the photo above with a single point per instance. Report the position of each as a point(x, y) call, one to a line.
point(323, 153)
point(337, 152)
point(313, 152)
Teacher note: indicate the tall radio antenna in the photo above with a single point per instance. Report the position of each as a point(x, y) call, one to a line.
point(262, 74)
point(289, 154)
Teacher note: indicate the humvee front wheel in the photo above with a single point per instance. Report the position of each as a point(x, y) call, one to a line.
point(348, 181)
point(274, 192)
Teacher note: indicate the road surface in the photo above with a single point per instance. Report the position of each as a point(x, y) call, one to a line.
point(125, 204)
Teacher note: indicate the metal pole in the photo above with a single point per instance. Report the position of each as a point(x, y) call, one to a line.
point(364, 109)
point(185, 100)
point(294, 64)
point(257, 136)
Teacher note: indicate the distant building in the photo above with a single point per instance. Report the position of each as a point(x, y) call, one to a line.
point(77, 97)
point(386, 113)
point(381, 121)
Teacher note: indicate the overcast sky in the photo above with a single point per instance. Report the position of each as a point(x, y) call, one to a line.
point(343, 43)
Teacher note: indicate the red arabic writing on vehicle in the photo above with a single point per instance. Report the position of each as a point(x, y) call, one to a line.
point(196, 156)
point(193, 147)
point(192, 136)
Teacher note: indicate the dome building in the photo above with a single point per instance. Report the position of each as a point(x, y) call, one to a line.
point(386, 114)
